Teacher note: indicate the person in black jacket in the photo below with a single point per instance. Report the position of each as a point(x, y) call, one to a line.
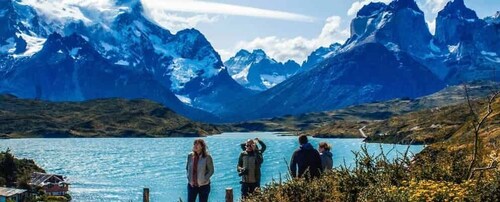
point(305, 158)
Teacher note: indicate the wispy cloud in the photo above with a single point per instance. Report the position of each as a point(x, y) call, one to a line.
point(175, 22)
point(298, 48)
point(204, 7)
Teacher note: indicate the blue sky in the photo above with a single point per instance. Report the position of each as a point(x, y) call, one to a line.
point(285, 29)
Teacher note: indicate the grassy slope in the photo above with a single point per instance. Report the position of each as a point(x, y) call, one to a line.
point(438, 173)
point(97, 118)
point(452, 123)
point(349, 125)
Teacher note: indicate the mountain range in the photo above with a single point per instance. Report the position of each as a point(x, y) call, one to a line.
point(390, 54)
point(126, 55)
point(72, 54)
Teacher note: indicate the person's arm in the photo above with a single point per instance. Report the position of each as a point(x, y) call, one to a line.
point(187, 162)
point(187, 166)
point(293, 165)
point(259, 157)
point(323, 162)
point(210, 167)
point(262, 145)
point(319, 162)
point(240, 164)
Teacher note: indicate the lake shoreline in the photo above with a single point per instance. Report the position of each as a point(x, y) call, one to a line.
point(111, 169)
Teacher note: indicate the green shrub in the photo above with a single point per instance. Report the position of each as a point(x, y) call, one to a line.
point(55, 199)
point(434, 175)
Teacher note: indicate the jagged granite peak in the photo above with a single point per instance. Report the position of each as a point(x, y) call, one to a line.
point(457, 8)
point(375, 18)
point(257, 71)
point(259, 52)
point(390, 25)
point(495, 19)
point(319, 55)
point(56, 42)
point(242, 53)
point(403, 4)
point(240, 61)
point(7, 18)
point(9, 26)
point(456, 23)
point(487, 38)
point(473, 44)
point(292, 63)
point(196, 46)
point(373, 8)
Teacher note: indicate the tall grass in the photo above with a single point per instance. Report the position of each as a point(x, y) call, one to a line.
point(434, 175)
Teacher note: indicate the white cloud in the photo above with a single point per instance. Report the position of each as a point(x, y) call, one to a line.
point(298, 48)
point(224, 54)
point(434, 5)
point(431, 9)
point(175, 22)
point(432, 26)
point(330, 32)
point(192, 6)
point(357, 5)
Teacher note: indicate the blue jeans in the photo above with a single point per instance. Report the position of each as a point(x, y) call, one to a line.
point(203, 191)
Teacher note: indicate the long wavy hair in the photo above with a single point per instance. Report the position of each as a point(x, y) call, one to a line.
point(204, 148)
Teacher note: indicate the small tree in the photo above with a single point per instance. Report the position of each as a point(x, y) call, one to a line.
point(477, 124)
point(8, 168)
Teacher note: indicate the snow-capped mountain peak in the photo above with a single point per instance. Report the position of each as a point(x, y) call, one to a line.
point(257, 71)
point(373, 8)
point(242, 53)
point(378, 22)
point(319, 55)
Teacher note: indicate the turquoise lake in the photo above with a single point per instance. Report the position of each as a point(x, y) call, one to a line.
point(117, 169)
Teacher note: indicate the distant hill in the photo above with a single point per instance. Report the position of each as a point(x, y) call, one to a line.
point(451, 123)
point(23, 118)
point(347, 122)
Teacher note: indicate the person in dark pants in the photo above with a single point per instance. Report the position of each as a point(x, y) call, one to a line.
point(199, 169)
point(248, 167)
point(262, 149)
point(305, 158)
